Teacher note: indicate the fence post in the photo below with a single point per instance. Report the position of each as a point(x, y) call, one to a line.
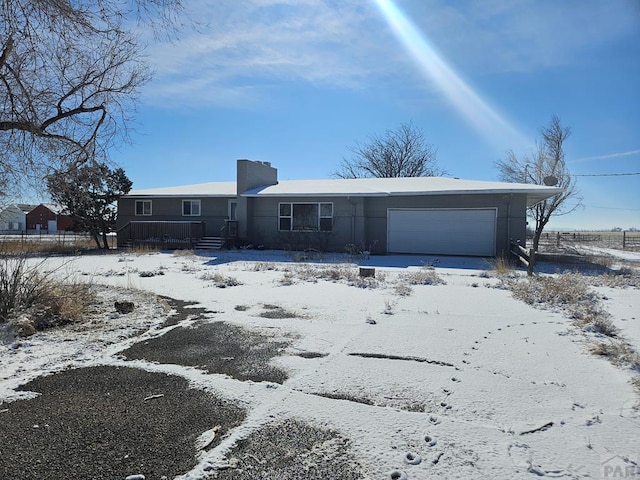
point(558, 240)
point(624, 239)
point(532, 261)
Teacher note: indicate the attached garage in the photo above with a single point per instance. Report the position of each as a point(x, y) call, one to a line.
point(421, 215)
point(459, 231)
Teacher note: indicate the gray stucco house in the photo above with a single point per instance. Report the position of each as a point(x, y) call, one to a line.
point(424, 215)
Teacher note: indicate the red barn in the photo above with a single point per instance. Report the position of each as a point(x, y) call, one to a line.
point(48, 218)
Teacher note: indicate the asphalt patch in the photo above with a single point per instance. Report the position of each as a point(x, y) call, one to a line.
point(217, 347)
point(184, 310)
point(109, 423)
point(292, 450)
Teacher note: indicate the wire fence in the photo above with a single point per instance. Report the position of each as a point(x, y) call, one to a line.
point(55, 240)
point(618, 240)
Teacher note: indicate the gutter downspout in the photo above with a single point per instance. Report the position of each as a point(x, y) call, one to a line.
point(353, 219)
point(509, 222)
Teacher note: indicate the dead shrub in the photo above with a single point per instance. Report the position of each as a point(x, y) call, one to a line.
point(424, 276)
point(262, 266)
point(570, 293)
point(403, 290)
point(618, 352)
point(624, 277)
point(34, 299)
point(332, 273)
point(275, 311)
point(183, 253)
point(600, 325)
point(220, 280)
point(561, 290)
point(502, 265)
point(287, 279)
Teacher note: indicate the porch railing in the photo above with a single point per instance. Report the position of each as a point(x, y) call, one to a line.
point(168, 234)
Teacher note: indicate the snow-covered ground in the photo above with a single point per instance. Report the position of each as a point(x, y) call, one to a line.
point(502, 390)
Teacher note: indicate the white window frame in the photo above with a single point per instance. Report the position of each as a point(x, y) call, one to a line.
point(143, 202)
point(291, 216)
point(191, 204)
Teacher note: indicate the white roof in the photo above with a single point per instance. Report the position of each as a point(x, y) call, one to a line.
point(357, 187)
point(381, 187)
point(211, 189)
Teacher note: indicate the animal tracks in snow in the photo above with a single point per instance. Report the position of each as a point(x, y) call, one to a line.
point(415, 458)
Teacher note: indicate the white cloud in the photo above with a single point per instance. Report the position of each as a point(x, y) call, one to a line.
point(244, 48)
point(262, 41)
point(503, 35)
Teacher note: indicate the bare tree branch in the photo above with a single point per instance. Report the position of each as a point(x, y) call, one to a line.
point(400, 153)
point(545, 165)
point(69, 74)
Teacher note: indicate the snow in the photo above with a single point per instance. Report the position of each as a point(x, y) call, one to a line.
point(354, 187)
point(465, 378)
point(399, 186)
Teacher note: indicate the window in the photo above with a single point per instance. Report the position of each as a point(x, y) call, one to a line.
point(305, 217)
point(191, 208)
point(143, 207)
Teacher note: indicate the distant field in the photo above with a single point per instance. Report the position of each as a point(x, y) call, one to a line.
point(61, 241)
point(618, 240)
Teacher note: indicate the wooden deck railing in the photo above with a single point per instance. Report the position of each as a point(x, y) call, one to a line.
point(170, 234)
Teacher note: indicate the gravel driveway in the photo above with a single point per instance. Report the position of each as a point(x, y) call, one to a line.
point(109, 422)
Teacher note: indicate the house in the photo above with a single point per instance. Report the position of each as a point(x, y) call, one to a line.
point(48, 218)
point(14, 217)
point(422, 215)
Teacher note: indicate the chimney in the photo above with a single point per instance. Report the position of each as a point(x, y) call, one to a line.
point(252, 175)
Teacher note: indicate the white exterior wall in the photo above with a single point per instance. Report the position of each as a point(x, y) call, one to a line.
point(12, 218)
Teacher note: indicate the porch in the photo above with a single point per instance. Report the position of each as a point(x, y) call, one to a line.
point(164, 234)
point(175, 234)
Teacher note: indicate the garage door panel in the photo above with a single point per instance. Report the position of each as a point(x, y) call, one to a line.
point(442, 231)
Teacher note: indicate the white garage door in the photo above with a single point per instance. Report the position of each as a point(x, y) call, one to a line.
point(442, 231)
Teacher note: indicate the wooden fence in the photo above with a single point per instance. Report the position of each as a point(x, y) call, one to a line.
point(525, 256)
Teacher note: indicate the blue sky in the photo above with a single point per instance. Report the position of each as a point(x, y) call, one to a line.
point(296, 82)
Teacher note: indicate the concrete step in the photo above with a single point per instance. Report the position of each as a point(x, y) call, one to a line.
point(210, 243)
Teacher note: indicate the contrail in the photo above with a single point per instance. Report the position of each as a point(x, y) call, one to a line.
point(609, 155)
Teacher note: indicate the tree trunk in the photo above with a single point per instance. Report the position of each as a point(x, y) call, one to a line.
point(96, 238)
point(105, 240)
point(536, 239)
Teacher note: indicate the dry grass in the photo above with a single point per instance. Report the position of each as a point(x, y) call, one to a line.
point(262, 266)
point(559, 291)
point(332, 273)
point(424, 276)
point(144, 249)
point(276, 311)
point(183, 253)
point(220, 280)
point(53, 245)
point(32, 298)
point(618, 352)
point(570, 293)
point(502, 266)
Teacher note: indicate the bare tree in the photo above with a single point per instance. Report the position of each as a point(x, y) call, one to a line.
point(399, 153)
point(546, 166)
point(70, 74)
